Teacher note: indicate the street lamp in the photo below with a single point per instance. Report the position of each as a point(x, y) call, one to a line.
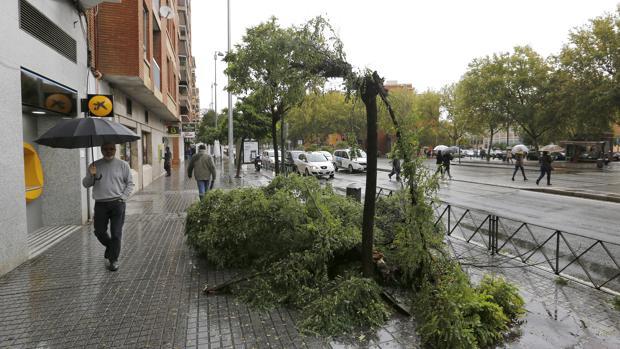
point(217, 53)
point(230, 115)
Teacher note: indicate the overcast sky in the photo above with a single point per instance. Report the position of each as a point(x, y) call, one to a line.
point(425, 43)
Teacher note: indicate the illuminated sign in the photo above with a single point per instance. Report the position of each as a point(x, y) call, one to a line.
point(100, 105)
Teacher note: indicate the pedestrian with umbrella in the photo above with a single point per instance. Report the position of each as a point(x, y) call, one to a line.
point(545, 167)
point(519, 150)
point(446, 158)
point(109, 177)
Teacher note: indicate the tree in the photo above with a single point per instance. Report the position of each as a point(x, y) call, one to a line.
point(272, 64)
point(479, 91)
point(456, 122)
point(589, 66)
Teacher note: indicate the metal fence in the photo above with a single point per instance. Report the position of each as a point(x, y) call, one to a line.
point(584, 259)
point(587, 260)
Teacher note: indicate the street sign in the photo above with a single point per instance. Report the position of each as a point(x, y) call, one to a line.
point(189, 134)
point(100, 105)
point(189, 127)
point(174, 130)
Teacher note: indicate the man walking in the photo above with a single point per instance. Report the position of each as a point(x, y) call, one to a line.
point(519, 165)
point(446, 158)
point(204, 168)
point(439, 163)
point(112, 184)
point(167, 161)
point(395, 167)
point(545, 167)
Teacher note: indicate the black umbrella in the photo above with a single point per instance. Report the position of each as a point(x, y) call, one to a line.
point(85, 133)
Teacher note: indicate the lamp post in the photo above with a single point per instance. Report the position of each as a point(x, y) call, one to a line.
point(217, 53)
point(230, 114)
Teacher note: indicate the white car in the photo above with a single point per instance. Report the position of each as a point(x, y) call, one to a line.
point(268, 158)
point(344, 158)
point(327, 155)
point(315, 164)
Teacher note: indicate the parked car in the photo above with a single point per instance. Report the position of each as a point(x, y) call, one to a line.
point(344, 158)
point(315, 164)
point(291, 160)
point(268, 158)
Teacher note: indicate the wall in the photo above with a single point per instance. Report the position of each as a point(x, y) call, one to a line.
point(62, 170)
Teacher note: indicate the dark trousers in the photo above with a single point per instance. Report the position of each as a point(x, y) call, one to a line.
point(517, 167)
point(544, 171)
point(395, 171)
point(167, 168)
point(112, 212)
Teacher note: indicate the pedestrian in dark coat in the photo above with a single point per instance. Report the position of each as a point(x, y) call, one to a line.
point(167, 161)
point(545, 167)
point(446, 158)
point(439, 163)
point(519, 165)
point(395, 167)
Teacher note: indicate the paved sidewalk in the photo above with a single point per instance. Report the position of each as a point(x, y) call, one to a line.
point(66, 298)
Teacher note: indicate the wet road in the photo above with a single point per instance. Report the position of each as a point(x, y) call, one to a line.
point(491, 190)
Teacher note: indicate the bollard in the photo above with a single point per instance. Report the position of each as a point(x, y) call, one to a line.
point(354, 191)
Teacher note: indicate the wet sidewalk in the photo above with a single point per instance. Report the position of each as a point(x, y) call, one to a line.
point(65, 297)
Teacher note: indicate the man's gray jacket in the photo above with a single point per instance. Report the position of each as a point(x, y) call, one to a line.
point(202, 166)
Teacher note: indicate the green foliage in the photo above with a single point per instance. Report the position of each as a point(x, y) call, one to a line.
point(346, 306)
point(504, 294)
point(294, 237)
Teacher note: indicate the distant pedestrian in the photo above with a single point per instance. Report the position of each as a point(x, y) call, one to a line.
point(112, 184)
point(395, 167)
point(167, 161)
point(509, 156)
point(519, 165)
point(204, 168)
point(446, 158)
point(439, 163)
point(545, 167)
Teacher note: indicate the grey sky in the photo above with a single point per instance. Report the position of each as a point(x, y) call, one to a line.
point(426, 43)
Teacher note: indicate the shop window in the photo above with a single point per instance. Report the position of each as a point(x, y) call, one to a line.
point(147, 153)
point(129, 152)
point(44, 96)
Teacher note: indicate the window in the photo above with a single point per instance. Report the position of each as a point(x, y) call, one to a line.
point(146, 116)
point(129, 152)
point(146, 148)
point(145, 30)
point(129, 106)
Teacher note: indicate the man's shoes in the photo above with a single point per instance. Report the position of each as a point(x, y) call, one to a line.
point(113, 266)
point(106, 254)
point(548, 183)
point(525, 179)
point(390, 176)
point(537, 181)
point(513, 179)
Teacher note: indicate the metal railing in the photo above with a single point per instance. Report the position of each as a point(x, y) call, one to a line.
point(584, 259)
point(590, 261)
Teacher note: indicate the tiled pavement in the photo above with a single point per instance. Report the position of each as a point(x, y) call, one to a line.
point(66, 298)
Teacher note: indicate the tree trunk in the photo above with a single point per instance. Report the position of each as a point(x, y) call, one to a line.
point(282, 138)
point(369, 98)
point(274, 137)
point(239, 157)
point(490, 146)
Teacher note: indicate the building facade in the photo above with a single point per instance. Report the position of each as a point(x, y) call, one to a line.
point(61, 51)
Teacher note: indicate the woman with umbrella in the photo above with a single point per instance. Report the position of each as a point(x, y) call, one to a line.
point(520, 150)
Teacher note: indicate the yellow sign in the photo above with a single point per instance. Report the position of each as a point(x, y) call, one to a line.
point(59, 102)
point(100, 105)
